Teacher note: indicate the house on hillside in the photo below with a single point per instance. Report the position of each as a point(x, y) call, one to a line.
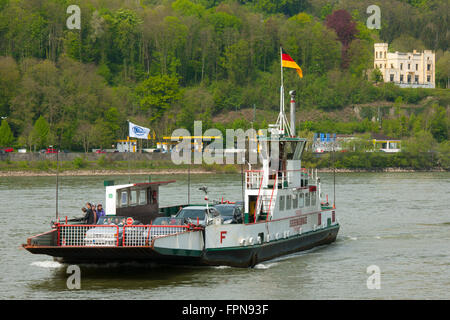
point(407, 70)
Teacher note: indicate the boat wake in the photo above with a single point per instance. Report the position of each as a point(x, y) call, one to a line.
point(47, 264)
point(263, 266)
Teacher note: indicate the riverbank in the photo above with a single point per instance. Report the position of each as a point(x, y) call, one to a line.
point(141, 164)
point(84, 172)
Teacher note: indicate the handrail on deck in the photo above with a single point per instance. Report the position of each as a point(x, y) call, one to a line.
point(115, 236)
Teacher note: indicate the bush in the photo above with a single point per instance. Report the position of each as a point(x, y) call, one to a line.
point(79, 163)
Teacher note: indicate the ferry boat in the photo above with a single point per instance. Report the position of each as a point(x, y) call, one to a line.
point(282, 214)
point(282, 210)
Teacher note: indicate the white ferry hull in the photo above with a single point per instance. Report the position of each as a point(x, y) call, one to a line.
point(249, 256)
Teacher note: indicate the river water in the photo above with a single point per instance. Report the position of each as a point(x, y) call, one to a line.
point(399, 222)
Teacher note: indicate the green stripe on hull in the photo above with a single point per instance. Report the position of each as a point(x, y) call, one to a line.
point(178, 252)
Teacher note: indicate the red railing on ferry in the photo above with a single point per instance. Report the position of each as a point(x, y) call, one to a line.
point(142, 235)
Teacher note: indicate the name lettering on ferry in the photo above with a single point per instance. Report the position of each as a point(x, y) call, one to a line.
point(298, 221)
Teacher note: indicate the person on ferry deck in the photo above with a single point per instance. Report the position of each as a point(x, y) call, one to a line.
point(100, 211)
point(90, 216)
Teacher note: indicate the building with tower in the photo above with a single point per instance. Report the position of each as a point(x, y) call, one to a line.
point(408, 70)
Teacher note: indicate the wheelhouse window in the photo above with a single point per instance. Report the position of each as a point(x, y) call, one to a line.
point(288, 202)
point(281, 206)
point(307, 199)
point(301, 200)
point(313, 198)
point(295, 201)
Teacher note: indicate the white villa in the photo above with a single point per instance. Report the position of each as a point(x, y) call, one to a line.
point(411, 69)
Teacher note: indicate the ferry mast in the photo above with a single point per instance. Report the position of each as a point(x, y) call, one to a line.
point(282, 123)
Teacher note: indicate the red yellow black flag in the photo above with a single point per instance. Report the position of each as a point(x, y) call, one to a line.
point(288, 62)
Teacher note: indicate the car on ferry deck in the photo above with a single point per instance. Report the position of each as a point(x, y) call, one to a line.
point(101, 236)
point(230, 212)
point(194, 213)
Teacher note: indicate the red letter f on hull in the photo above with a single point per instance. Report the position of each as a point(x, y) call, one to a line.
point(222, 235)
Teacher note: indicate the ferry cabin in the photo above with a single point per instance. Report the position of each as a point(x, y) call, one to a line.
point(281, 204)
point(139, 201)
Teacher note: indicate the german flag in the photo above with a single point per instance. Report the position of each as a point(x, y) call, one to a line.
point(288, 62)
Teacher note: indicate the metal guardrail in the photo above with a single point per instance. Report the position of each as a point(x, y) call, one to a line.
point(142, 235)
point(82, 235)
point(114, 236)
point(283, 177)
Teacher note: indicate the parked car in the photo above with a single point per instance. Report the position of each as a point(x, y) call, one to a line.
point(7, 149)
point(230, 212)
point(104, 236)
point(51, 150)
point(169, 221)
point(194, 213)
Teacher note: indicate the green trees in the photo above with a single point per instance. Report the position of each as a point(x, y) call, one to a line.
point(6, 135)
point(168, 63)
point(9, 78)
point(40, 135)
point(440, 125)
point(156, 95)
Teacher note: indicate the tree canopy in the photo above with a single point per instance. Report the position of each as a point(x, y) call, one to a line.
point(167, 63)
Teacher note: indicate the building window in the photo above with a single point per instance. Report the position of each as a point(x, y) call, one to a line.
point(401, 66)
point(428, 67)
point(376, 54)
point(428, 78)
point(392, 66)
point(401, 78)
point(417, 67)
point(409, 78)
point(385, 54)
point(392, 78)
point(416, 79)
point(409, 66)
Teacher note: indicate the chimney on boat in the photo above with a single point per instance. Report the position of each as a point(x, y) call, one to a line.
point(292, 93)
